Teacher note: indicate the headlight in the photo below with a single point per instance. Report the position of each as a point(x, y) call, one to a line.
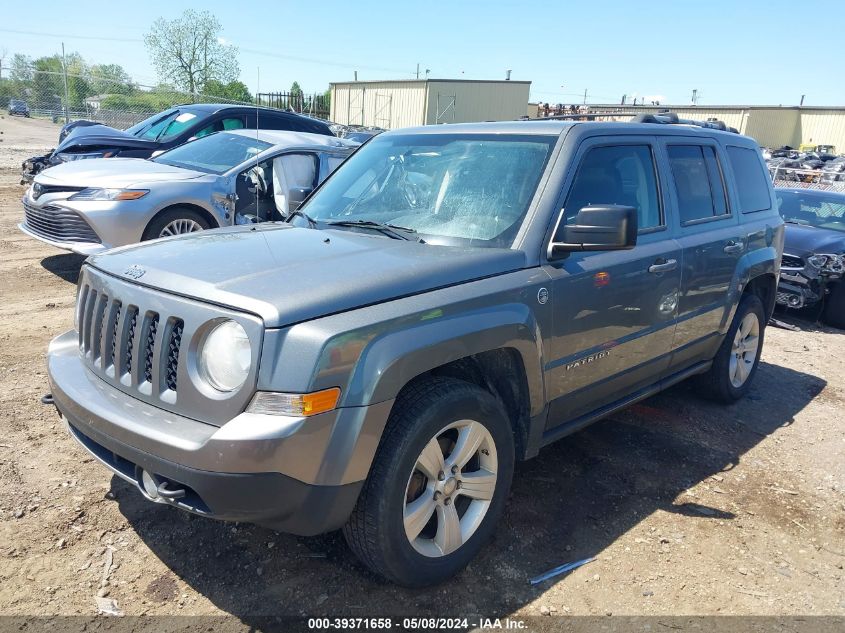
point(817, 261)
point(69, 156)
point(226, 356)
point(95, 193)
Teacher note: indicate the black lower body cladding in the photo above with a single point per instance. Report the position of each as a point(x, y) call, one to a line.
point(272, 500)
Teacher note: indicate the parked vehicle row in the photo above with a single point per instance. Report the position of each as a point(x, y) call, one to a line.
point(233, 177)
point(448, 301)
point(18, 107)
point(163, 131)
point(815, 164)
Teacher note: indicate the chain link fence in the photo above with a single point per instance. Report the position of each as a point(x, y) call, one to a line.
point(796, 178)
point(62, 97)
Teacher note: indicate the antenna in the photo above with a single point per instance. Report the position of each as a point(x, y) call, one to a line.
point(257, 126)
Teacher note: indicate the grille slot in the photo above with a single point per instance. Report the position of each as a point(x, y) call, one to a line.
point(149, 346)
point(173, 345)
point(790, 261)
point(126, 353)
point(97, 321)
point(114, 325)
point(57, 224)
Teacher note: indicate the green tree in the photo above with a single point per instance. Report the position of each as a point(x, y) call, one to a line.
point(232, 91)
point(21, 68)
point(108, 79)
point(190, 52)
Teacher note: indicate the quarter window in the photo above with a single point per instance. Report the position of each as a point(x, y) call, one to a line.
point(698, 182)
point(617, 174)
point(751, 180)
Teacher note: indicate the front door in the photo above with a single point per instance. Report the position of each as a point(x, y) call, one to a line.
point(615, 311)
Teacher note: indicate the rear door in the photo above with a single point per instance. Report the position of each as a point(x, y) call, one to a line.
point(614, 311)
point(712, 242)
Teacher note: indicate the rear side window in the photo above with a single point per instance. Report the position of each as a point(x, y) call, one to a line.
point(618, 174)
point(751, 180)
point(698, 182)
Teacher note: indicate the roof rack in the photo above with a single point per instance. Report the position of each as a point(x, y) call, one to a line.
point(671, 118)
point(664, 117)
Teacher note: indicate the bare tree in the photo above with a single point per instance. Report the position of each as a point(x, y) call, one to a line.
point(189, 51)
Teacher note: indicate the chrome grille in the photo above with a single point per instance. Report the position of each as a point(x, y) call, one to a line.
point(55, 223)
point(125, 343)
point(790, 261)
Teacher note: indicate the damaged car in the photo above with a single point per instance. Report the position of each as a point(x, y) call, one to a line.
point(164, 131)
point(813, 262)
point(237, 177)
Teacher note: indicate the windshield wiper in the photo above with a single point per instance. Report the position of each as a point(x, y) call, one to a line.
point(312, 223)
point(393, 230)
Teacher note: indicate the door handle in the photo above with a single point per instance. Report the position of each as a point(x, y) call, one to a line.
point(733, 247)
point(663, 265)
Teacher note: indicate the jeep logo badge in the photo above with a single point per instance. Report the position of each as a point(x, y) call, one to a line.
point(134, 271)
point(542, 296)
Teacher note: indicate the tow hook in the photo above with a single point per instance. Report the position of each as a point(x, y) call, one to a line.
point(47, 398)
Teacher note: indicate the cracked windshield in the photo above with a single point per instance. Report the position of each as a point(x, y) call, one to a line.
point(457, 189)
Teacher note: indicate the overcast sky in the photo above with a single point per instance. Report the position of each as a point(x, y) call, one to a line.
point(740, 52)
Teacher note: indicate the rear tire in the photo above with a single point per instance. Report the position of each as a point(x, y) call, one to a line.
point(175, 221)
point(417, 529)
point(736, 362)
point(834, 306)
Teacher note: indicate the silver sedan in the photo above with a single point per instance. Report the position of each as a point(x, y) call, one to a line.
point(236, 177)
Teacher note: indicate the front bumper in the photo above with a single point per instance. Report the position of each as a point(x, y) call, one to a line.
point(81, 248)
point(296, 475)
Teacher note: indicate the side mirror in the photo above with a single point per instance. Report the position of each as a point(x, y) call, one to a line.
point(296, 196)
point(597, 228)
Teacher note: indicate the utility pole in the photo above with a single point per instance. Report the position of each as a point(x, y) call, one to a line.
point(585, 96)
point(64, 74)
point(418, 70)
point(694, 98)
point(802, 100)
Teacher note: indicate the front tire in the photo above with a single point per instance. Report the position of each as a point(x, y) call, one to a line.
point(175, 221)
point(438, 484)
point(834, 306)
point(736, 362)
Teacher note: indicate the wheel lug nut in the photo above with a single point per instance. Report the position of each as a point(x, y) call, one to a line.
point(441, 476)
point(448, 500)
point(454, 469)
point(458, 485)
point(437, 495)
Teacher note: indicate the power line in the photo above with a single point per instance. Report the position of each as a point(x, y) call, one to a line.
point(71, 37)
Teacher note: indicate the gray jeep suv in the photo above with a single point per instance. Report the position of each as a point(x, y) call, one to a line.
point(452, 299)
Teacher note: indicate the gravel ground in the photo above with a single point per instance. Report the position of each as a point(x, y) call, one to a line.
point(688, 507)
point(21, 138)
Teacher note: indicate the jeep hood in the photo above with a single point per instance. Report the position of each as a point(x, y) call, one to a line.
point(102, 136)
point(286, 275)
point(804, 241)
point(112, 173)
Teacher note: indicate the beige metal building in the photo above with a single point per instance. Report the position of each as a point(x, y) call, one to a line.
point(406, 103)
point(771, 126)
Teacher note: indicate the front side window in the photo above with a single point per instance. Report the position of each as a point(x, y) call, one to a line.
point(214, 154)
point(617, 174)
point(461, 189)
point(698, 182)
point(752, 180)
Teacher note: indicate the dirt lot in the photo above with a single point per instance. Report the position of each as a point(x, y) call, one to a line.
point(690, 508)
point(21, 138)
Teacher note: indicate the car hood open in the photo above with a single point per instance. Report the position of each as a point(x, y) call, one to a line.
point(287, 275)
point(114, 173)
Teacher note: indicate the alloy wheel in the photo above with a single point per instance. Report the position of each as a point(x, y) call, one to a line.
point(450, 488)
point(744, 350)
point(180, 227)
